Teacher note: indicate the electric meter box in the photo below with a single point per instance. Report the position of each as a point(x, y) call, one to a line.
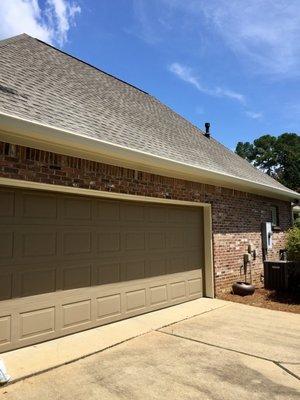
point(267, 234)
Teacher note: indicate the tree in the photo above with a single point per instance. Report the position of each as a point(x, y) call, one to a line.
point(245, 150)
point(288, 158)
point(279, 157)
point(293, 243)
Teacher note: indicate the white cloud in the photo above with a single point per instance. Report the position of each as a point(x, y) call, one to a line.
point(50, 24)
point(265, 33)
point(254, 115)
point(186, 74)
point(63, 14)
point(146, 30)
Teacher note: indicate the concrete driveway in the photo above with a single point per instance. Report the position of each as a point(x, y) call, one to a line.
point(232, 352)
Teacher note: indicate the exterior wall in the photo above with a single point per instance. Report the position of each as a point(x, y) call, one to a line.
point(236, 216)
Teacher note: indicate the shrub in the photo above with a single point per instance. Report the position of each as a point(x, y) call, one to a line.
point(293, 244)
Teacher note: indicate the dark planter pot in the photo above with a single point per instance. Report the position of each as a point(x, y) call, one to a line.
point(243, 288)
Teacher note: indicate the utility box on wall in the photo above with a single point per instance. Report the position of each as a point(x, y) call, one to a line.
point(267, 234)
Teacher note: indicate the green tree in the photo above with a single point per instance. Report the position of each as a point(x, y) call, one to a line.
point(277, 156)
point(245, 150)
point(293, 243)
point(265, 154)
point(288, 159)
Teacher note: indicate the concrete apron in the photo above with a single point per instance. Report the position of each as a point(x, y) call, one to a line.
point(258, 332)
point(35, 359)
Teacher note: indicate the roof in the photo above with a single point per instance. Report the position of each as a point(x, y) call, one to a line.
point(43, 84)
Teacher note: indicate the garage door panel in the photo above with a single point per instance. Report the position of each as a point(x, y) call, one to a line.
point(178, 290)
point(175, 239)
point(192, 238)
point(5, 330)
point(108, 306)
point(37, 322)
point(134, 240)
point(77, 276)
point(7, 204)
point(6, 244)
point(156, 240)
point(108, 241)
point(6, 285)
point(158, 294)
point(194, 259)
point(157, 267)
point(37, 281)
point(75, 208)
point(135, 300)
point(77, 242)
point(108, 273)
point(156, 214)
point(38, 243)
point(176, 215)
point(77, 313)
point(134, 270)
point(195, 286)
point(38, 206)
point(89, 261)
point(190, 215)
point(108, 211)
point(177, 263)
point(132, 213)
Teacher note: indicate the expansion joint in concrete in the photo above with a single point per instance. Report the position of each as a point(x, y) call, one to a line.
point(277, 363)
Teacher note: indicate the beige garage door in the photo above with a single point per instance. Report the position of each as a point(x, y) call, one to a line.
point(70, 263)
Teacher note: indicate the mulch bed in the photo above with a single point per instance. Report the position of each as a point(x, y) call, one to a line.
point(281, 301)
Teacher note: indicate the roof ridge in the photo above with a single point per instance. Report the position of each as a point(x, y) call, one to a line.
point(88, 64)
point(25, 35)
point(15, 38)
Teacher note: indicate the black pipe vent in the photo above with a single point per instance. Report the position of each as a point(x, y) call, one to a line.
point(207, 133)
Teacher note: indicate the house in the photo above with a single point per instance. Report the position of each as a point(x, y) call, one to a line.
point(113, 205)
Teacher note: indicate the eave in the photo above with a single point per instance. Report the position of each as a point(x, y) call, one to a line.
point(26, 132)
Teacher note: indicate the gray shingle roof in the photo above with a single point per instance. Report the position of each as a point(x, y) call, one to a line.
point(41, 83)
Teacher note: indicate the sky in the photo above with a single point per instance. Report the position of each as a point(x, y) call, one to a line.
point(233, 63)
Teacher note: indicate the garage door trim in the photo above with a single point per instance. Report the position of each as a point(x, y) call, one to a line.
point(17, 183)
point(208, 287)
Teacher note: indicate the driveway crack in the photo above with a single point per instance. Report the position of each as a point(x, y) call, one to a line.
point(287, 370)
point(193, 316)
point(278, 363)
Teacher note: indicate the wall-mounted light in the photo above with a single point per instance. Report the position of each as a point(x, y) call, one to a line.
point(110, 186)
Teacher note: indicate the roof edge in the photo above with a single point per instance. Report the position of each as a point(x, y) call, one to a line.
point(11, 39)
point(28, 132)
point(24, 36)
point(88, 64)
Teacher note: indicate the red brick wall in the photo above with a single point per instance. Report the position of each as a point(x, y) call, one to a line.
point(236, 216)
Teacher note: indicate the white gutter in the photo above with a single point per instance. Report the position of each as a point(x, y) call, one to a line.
point(23, 131)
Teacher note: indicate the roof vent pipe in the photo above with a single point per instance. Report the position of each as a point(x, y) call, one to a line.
point(207, 133)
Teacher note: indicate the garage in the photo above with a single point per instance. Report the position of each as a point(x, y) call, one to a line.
point(72, 262)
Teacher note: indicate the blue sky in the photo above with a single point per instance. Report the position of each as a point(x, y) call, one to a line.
point(235, 64)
